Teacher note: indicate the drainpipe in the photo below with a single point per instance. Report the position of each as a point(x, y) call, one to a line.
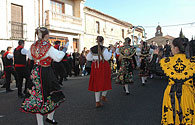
point(39, 12)
point(7, 20)
point(42, 12)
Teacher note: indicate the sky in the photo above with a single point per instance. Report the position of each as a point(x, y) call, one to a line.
point(151, 13)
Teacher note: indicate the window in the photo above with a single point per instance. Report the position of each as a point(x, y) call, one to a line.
point(123, 33)
point(16, 21)
point(57, 7)
point(75, 43)
point(158, 31)
point(63, 40)
point(97, 27)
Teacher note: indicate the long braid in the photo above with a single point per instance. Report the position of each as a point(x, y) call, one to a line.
point(100, 38)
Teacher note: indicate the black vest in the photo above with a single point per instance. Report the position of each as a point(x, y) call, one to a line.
point(19, 58)
point(7, 62)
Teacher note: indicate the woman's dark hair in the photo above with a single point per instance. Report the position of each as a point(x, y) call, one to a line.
point(44, 31)
point(41, 32)
point(181, 43)
point(127, 40)
point(100, 39)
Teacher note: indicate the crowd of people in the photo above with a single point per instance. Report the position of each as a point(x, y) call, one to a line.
point(45, 67)
point(15, 62)
point(175, 61)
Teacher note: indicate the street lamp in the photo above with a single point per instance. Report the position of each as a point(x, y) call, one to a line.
point(136, 28)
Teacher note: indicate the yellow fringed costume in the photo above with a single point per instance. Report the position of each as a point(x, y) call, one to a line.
point(179, 97)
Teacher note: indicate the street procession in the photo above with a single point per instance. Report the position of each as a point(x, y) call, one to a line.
point(76, 62)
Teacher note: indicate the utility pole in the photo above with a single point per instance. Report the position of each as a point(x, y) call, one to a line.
point(39, 13)
point(142, 32)
point(42, 12)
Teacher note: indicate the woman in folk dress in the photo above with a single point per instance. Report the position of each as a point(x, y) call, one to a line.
point(100, 77)
point(179, 101)
point(44, 90)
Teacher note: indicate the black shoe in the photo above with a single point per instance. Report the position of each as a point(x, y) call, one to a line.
point(21, 95)
point(51, 121)
point(127, 93)
point(124, 89)
point(143, 84)
point(25, 92)
point(9, 90)
point(60, 83)
point(65, 79)
point(3, 86)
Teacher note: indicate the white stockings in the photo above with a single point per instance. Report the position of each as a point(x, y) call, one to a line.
point(97, 95)
point(40, 118)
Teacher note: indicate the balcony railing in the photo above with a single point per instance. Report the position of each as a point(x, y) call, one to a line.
point(54, 16)
point(17, 30)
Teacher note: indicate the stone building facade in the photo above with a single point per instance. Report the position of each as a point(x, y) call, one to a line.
point(67, 20)
point(112, 29)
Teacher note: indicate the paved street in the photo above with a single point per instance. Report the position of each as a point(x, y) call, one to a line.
point(141, 107)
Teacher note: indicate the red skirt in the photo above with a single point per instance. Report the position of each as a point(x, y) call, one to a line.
point(100, 77)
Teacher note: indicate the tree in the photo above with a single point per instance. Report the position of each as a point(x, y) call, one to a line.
point(192, 38)
point(181, 34)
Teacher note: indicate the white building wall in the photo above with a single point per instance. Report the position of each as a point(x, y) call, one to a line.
point(29, 18)
point(4, 20)
point(111, 31)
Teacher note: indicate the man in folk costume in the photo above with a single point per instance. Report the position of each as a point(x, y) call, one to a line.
point(20, 63)
point(58, 66)
point(127, 58)
point(44, 92)
point(67, 66)
point(100, 77)
point(8, 68)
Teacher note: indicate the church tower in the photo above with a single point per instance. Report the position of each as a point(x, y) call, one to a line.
point(158, 31)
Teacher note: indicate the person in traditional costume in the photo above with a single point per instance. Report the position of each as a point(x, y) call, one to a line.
point(20, 66)
point(9, 68)
point(59, 68)
point(127, 57)
point(145, 55)
point(2, 73)
point(44, 91)
point(68, 64)
point(100, 77)
point(178, 106)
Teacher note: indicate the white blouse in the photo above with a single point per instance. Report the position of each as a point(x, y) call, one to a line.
point(55, 54)
point(106, 54)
